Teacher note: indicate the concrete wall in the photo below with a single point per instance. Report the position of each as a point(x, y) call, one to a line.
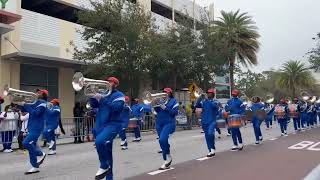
point(66, 92)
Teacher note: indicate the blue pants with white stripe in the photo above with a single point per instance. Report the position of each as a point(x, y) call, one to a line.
point(30, 143)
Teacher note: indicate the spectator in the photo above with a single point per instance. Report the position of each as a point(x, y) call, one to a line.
point(8, 128)
point(24, 117)
point(1, 102)
point(78, 114)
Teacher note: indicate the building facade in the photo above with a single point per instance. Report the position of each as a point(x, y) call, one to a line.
point(37, 50)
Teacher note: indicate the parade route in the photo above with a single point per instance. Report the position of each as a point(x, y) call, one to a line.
point(286, 158)
point(80, 161)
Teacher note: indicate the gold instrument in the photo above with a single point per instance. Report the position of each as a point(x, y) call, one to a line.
point(200, 94)
point(155, 100)
point(305, 95)
point(91, 87)
point(18, 97)
point(313, 99)
point(269, 98)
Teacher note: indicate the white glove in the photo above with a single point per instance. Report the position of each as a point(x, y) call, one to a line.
point(163, 106)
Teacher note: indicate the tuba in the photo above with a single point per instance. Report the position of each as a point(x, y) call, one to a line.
point(18, 97)
point(155, 100)
point(91, 87)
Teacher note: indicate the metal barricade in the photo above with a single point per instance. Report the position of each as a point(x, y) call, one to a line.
point(8, 131)
point(79, 127)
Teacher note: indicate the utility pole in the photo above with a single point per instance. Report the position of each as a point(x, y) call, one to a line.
point(173, 11)
point(194, 15)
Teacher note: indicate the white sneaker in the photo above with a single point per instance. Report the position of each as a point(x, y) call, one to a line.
point(123, 142)
point(40, 161)
point(282, 134)
point(228, 134)
point(32, 170)
point(211, 153)
point(285, 135)
point(234, 148)
point(257, 142)
point(124, 147)
point(52, 152)
point(240, 147)
point(51, 143)
point(167, 163)
point(7, 151)
point(102, 173)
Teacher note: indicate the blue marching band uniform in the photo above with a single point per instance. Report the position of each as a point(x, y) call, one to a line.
point(113, 113)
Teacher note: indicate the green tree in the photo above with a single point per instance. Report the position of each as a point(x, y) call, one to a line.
point(238, 37)
point(295, 75)
point(314, 55)
point(247, 82)
point(118, 36)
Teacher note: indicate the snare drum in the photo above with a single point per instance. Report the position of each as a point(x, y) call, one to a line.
point(133, 123)
point(293, 108)
point(235, 121)
point(221, 123)
point(280, 112)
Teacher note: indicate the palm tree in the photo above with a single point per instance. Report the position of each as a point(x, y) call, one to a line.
point(295, 75)
point(238, 36)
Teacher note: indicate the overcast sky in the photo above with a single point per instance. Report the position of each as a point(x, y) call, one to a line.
point(286, 27)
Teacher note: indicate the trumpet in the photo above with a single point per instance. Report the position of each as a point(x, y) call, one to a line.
point(18, 97)
point(155, 100)
point(91, 87)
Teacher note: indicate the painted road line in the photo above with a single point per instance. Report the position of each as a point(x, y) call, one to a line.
point(198, 136)
point(314, 174)
point(202, 159)
point(159, 171)
point(272, 139)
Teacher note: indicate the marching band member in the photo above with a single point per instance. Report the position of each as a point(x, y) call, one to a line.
point(303, 113)
point(270, 113)
point(294, 110)
point(281, 112)
point(317, 107)
point(235, 107)
point(166, 125)
point(52, 122)
point(37, 113)
point(210, 110)
point(256, 121)
point(125, 116)
point(310, 115)
point(108, 125)
point(137, 112)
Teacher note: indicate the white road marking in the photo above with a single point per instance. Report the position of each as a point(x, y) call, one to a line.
point(272, 139)
point(198, 136)
point(159, 171)
point(314, 174)
point(202, 159)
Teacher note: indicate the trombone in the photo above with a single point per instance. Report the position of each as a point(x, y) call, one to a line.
point(18, 96)
point(91, 87)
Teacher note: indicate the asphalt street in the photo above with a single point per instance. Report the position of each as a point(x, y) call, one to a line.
point(80, 162)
